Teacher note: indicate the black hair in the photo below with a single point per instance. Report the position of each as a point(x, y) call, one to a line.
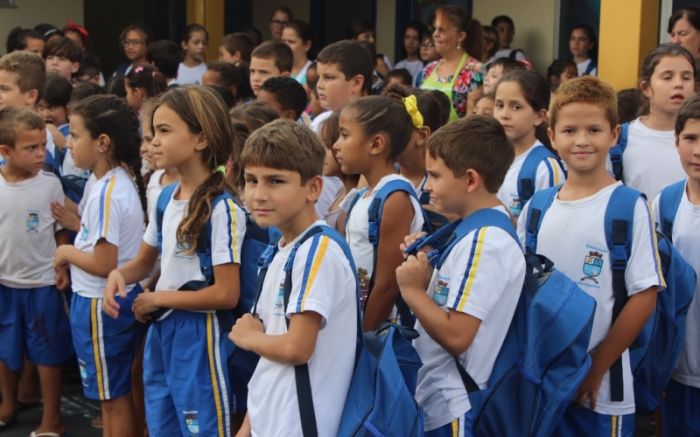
point(234, 76)
point(692, 14)
point(401, 74)
point(590, 34)
point(358, 27)
point(303, 31)
point(288, 92)
point(148, 79)
point(556, 69)
point(507, 64)
point(629, 103)
point(166, 56)
point(63, 47)
point(83, 90)
point(444, 104)
point(90, 65)
point(225, 94)
point(254, 35)
point(283, 9)
point(192, 28)
point(535, 89)
point(238, 42)
point(110, 115)
point(57, 91)
point(386, 115)
point(427, 102)
point(47, 30)
point(351, 58)
point(17, 38)
point(116, 87)
point(498, 19)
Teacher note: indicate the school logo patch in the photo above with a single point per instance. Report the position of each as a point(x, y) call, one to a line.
point(279, 298)
point(515, 207)
point(440, 292)
point(32, 222)
point(84, 232)
point(83, 372)
point(192, 422)
point(592, 266)
point(182, 250)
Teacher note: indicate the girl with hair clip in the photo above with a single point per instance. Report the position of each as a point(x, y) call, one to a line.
point(142, 83)
point(186, 379)
point(374, 131)
point(104, 139)
point(194, 45)
point(520, 105)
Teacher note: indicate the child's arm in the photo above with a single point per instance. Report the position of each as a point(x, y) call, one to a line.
point(223, 294)
point(62, 276)
point(100, 262)
point(66, 215)
point(132, 271)
point(395, 224)
point(293, 347)
point(453, 330)
point(245, 430)
point(623, 332)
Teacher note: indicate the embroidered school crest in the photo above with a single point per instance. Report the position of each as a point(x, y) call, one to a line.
point(84, 232)
point(440, 293)
point(279, 299)
point(182, 250)
point(515, 207)
point(592, 266)
point(32, 222)
point(191, 421)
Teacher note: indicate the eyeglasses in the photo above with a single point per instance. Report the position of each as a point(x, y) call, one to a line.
point(132, 42)
point(280, 22)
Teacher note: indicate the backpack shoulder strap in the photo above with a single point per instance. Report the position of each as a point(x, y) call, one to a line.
point(589, 69)
point(528, 172)
point(357, 196)
point(618, 150)
point(376, 208)
point(538, 206)
point(204, 241)
point(669, 201)
point(161, 204)
point(619, 225)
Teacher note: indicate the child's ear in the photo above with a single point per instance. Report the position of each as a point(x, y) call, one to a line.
point(103, 143)
point(423, 135)
point(4, 150)
point(183, 44)
point(378, 145)
point(357, 84)
point(315, 185)
point(541, 117)
point(472, 179)
point(550, 134)
point(31, 98)
point(201, 143)
point(616, 135)
point(645, 88)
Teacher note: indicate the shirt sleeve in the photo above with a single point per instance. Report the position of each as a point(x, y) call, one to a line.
point(655, 209)
point(228, 231)
point(318, 277)
point(477, 281)
point(549, 174)
point(150, 237)
point(643, 268)
point(110, 212)
point(59, 197)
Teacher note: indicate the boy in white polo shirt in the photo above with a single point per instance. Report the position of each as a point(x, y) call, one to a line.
point(465, 310)
point(283, 163)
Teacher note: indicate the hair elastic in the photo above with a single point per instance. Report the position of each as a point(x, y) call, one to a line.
point(221, 169)
point(411, 104)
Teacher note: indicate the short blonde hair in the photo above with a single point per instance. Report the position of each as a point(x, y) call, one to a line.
point(586, 89)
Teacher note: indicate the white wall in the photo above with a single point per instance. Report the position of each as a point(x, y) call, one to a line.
point(29, 13)
point(535, 22)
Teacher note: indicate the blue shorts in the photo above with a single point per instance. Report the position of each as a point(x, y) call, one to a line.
point(33, 321)
point(680, 410)
point(580, 421)
point(185, 376)
point(105, 347)
point(459, 427)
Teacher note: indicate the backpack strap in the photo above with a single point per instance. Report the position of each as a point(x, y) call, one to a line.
point(618, 150)
point(589, 69)
point(161, 204)
point(358, 195)
point(204, 241)
point(669, 201)
point(619, 225)
point(528, 172)
point(374, 213)
point(538, 206)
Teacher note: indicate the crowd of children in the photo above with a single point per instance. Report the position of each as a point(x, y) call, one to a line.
point(132, 211)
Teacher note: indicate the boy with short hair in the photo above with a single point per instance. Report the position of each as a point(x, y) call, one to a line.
point(583, 117)
point(53, 106)
point(33, 321)
point(464, 309)
point(269, 59)
point(285, 95)
point(62, 56)
point(681, 403)
point(283, 163)
point(235, 47)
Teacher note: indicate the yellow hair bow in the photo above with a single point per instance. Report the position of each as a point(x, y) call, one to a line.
point(411, 105)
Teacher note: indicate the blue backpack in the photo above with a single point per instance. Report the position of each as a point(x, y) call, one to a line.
point(654, 353)
point(375, 210)
point(73, 186)
point(618, 150)
point(242, 363)
point(528, 172)
point(536, 374)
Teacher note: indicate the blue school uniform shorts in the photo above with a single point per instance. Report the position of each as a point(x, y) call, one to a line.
point(105, 347)
point(33, 321)
point(680, 410)
point(580, 421)
point(185, 376)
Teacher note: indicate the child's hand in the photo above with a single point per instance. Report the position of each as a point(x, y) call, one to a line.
point(244, 326)
point(414, 274)
point(144, 305)
point(61, 257)
point(65, 217)
point(410, 239)
point(115, 285)
point(589, 388)
point(62, 278)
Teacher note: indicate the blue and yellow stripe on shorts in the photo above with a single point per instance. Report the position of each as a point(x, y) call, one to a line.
point(218, 383)
point(98, 349)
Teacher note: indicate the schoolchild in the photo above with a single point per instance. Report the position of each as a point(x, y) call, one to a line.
point(105, 140)
point(33, 322)
point(572, 234)
point(285, 95)
point(283, 162)
point(194, 46)
point(681, 402)
point(141, 83)
point(521, 102)
point(185, 374)
point(269, 59)
point(374, 131)
point(235, 47)
point(582, 45)
point(650, 161)
point(463, 308)
point(53, 106)
point(62, 56)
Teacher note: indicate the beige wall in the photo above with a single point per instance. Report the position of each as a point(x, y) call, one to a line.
point(534, 25)
point(262, 10)
point(29, 13)
point(386, 28)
